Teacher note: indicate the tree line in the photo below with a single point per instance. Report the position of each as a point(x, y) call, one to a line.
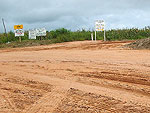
point(65, 35)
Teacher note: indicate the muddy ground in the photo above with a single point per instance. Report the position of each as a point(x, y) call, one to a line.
point(84, 77)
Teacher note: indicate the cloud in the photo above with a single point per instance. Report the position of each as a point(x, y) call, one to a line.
point(75, 14)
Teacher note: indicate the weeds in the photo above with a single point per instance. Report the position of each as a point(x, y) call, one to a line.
point(64, 35)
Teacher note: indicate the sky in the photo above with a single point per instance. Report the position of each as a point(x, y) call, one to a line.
point(74, 14)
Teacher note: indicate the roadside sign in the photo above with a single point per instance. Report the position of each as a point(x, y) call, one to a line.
point(99, 25)
point(41, 32)
point(19, 32)
point(18, 27)
point(32, 34)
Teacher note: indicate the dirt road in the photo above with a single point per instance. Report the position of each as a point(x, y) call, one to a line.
point(85, 77)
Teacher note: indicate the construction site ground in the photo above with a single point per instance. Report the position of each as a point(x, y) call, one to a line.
point(72, 77)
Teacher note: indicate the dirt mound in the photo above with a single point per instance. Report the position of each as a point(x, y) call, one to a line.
point(140, 44)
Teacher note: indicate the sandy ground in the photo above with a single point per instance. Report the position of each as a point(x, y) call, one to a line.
point(84, 77)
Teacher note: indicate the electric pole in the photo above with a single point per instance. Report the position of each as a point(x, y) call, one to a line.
point(5, 28)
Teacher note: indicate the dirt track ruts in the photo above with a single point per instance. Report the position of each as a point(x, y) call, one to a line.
point(75, 77)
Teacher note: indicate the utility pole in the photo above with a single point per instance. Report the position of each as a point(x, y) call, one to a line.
point(5, 28)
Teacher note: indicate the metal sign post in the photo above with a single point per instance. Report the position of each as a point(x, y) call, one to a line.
point(19, 39)
point(95, 35)
point(104, 35)
point(92, 36)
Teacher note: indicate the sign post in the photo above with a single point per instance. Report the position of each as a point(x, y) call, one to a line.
point(104, 35)
point(100, 26)
point(19, 31)
point(92, 36)
point(95, 35)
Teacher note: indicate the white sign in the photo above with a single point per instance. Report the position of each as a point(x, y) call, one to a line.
point(19, 32)
point(99, 25)
point(32, 34)
point(41, 32)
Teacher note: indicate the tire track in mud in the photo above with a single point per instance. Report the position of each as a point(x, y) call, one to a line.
point(128, 82)
point(129, 78)
point(102, 90)
point(22, 92)
point(48, 102)
point(82, 102)
point(8, 101)
point(5, 95)
point(129, 87)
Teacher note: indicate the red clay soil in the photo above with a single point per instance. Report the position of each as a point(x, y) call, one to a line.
point(85, 77)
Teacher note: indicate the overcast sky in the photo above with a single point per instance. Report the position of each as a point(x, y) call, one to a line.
point(74, 14)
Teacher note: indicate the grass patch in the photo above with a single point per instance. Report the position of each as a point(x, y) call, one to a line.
point(25, 43)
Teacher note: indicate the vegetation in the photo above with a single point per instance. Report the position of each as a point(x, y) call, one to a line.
point(25, 43)
point(64, 35)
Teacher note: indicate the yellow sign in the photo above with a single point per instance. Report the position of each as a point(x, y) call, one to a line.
point(18, 27)
point(100, 29)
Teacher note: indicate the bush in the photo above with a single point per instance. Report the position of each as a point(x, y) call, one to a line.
point(64, 35)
